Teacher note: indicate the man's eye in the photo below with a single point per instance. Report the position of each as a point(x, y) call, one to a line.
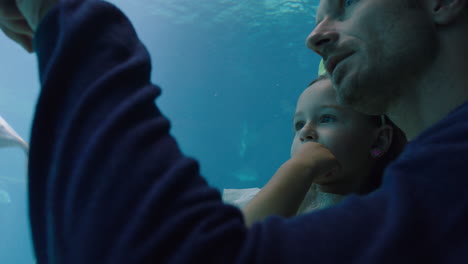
point(327, 119)
point(298, 125)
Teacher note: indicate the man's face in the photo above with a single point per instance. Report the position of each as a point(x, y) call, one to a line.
point(374, 50)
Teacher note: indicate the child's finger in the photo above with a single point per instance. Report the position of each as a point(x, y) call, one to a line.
point(24, 40)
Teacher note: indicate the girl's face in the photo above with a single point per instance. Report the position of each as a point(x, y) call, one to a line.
point(348, 134)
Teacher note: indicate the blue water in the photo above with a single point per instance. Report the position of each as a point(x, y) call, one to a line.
point(231, 72)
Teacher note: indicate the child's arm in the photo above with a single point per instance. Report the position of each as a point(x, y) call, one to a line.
point(286, 190)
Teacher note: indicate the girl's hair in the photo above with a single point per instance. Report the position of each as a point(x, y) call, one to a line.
point(318, 79)
point(397, 145)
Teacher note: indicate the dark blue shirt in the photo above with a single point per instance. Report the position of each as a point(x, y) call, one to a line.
point(108, 183)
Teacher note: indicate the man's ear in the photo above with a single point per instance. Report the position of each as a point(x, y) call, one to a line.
point(383, 141)
point(446, 11)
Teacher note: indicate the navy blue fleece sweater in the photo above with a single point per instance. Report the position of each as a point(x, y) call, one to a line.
point(108, 183)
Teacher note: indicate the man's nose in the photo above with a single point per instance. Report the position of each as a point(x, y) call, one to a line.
point(322, 37)
point(308, 133)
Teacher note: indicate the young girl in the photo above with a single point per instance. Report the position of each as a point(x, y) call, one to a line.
point(336, 152)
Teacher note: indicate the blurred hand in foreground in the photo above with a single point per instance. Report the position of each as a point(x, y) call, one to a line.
point(14, 24)
point(19, 19)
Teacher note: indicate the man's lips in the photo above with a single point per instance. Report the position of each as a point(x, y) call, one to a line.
point(333, 61)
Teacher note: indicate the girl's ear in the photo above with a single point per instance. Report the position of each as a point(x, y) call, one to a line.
point(383, 141)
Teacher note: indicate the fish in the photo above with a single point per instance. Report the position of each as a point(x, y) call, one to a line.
point(12, 180)
point(9, 137)
point(243, 143)
point(4, 197)
point(245, 174)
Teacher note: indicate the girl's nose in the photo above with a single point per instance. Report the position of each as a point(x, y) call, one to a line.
point(308, 133)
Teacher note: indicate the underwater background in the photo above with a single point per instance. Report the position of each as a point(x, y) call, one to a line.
point(230, 70)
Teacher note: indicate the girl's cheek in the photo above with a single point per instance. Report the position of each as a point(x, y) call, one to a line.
point(339, 144)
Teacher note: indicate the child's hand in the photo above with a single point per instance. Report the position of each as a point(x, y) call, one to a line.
point(286, 190)
point(317, 159)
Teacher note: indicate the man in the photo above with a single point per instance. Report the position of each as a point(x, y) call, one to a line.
point(109, 185)
point(406, 58)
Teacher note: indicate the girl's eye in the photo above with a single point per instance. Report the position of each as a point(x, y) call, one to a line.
point(348, 3)
point(298, 125)
point(327, 119)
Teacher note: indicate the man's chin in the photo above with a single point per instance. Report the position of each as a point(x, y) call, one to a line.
point(360, 103)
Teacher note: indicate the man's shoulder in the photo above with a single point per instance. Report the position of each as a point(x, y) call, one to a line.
point(452, 129)
point(439, 150)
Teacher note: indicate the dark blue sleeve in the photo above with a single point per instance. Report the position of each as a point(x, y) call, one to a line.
point(108, 184)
